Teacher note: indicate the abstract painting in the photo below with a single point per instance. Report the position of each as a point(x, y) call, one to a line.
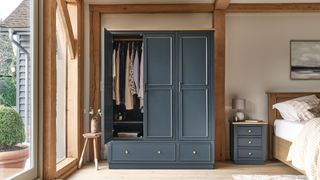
point(305, 59)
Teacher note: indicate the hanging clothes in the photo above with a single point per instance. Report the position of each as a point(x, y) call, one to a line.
point(128, 95)
point(122, 71)
point(136, 72)
point(117, 75)
point(133, 89)
point(141, 81)
point(114, 54)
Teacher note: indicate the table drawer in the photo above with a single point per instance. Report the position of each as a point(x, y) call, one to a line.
point(142, 151)
point(250, 153)
point(195, 152)
point(250, 142)
point(249, 130)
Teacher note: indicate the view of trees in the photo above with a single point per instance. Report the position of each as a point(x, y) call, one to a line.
point(7, 77)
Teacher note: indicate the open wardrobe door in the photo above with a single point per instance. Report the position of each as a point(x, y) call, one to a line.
point(106, 90)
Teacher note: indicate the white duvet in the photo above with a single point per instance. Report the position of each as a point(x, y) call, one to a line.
point(305, 150)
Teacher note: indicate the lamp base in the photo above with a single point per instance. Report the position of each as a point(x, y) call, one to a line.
point(239, 116)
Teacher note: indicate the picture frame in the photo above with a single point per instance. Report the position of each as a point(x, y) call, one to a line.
point(305, 59)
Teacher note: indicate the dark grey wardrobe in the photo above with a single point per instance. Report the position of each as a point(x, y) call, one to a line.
point(178, 124)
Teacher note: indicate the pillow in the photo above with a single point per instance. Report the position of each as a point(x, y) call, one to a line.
point(302, 108)
point(315, 110)
point(297, 109)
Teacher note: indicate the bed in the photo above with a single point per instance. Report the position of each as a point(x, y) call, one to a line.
point(279, 145)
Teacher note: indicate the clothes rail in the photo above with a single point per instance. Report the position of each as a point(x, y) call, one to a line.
point(127, 39)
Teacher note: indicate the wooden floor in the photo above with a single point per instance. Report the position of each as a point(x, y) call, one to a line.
point(222, 171)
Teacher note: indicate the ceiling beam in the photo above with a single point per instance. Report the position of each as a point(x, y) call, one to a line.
point(153, 8)
point(222, 4)
point(62, 5)
point(274, 7)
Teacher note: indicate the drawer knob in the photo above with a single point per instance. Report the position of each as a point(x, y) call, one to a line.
point(250, 142)
point(249, 131)
point(249, 153)
point(194, 152)
point(126, 152)
point(158, 152)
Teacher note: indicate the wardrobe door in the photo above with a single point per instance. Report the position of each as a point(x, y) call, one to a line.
point(106, 86)
point(195, 85)
point(158, 109)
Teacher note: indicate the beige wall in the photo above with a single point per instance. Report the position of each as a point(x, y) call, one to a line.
point(157, 21)
point(257, 57)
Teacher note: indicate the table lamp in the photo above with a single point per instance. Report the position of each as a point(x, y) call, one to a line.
point(239, 105)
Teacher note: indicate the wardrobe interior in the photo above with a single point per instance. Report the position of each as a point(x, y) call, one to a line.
point(127, 85)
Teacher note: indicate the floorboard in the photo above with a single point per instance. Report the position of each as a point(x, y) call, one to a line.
point(222, 171)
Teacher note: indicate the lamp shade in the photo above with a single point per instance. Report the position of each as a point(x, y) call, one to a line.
point(239, 104)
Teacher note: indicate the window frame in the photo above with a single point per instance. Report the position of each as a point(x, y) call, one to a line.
point(63, 169)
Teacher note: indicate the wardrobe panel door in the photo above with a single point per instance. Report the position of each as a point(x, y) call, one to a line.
point(106, 90)
point(159, 60)
point(194, 85)
point(159, 113)
point(194, 113)
point(159, 107)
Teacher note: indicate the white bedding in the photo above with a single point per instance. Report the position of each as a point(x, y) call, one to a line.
point(305, 150)
point(288, 130)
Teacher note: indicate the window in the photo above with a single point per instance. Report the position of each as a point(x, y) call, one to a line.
point(61, 105)
point(18, 89)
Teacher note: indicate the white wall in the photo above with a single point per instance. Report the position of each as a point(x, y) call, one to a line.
point(258, 57)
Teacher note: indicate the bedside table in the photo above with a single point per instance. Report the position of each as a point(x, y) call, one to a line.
point(248, 143)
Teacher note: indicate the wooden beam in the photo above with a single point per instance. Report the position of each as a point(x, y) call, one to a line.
point(80, 45)
point(49, 89)
point(219, 74)
point(222, 4)
point(62, 5)
point(95, 51)
point(73, 1)
point(274, 7)
point(153, 8)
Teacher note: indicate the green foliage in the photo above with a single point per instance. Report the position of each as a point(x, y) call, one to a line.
point(11, 127)
point(7, 91)
point(7, 58)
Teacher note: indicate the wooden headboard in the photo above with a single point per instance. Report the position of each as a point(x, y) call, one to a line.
point(273, 114)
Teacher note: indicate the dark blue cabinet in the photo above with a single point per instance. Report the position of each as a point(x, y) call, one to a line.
point(159, 79)
point(194, 85)
point(178, 103)
point(248, 144)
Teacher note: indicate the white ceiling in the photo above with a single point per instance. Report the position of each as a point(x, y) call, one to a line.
point(193, 1)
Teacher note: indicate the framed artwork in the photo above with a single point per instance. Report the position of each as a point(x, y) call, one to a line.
point(305, 59)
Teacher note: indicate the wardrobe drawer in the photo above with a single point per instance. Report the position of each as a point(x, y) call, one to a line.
point(195, 152)
point(141, 151)
point(250, 153)
point(249, 130)
point(251, 142)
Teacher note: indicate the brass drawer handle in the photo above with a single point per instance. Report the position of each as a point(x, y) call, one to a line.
point(194, 152)
point(249, 153)
point(126, 152)
point(158, 152)
point(250, 142)
point(249, 131)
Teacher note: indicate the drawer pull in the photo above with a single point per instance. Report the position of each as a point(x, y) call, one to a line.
point(194, 152)
point(249, 153)
point(158, 152)
point(250, 142)
point(126, 152)
point(249, 131)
